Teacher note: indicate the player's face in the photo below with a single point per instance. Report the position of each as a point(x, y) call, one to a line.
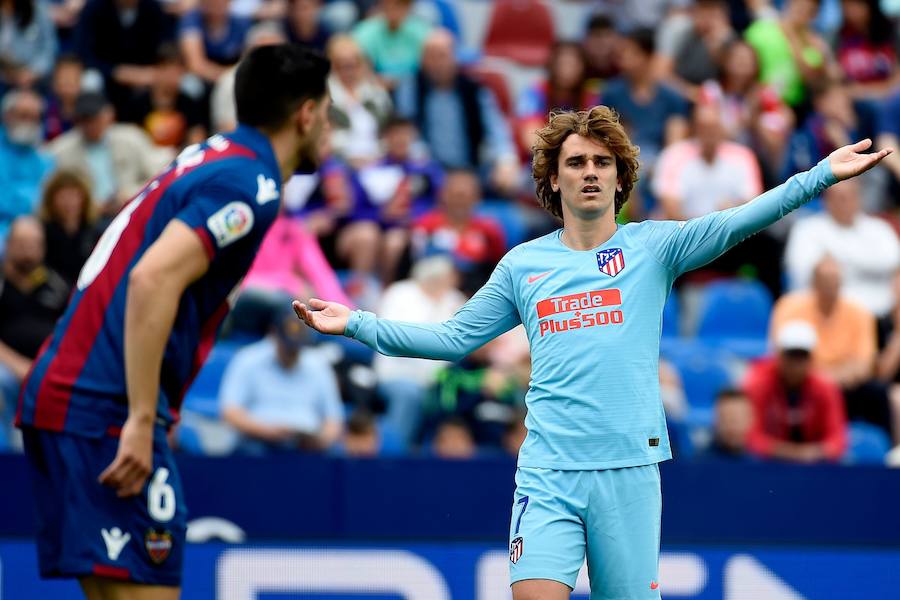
point(587, 179)
point(314, 129)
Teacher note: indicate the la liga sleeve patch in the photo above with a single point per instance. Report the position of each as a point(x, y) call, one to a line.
point(230, 223)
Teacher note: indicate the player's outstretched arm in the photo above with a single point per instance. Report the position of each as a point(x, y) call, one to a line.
point(691, 244)
point(847, 161)
point(489, 313)
point(155, 286)
point(324, 317)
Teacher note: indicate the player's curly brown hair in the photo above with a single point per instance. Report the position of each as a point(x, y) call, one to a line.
point(600, 123)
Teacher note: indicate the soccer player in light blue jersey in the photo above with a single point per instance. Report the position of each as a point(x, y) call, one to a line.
point(590, 296)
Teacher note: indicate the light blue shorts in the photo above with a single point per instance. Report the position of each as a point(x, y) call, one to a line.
point(610, 517)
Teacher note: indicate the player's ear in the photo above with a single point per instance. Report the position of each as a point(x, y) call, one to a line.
point(554, 182)
point(306, 115)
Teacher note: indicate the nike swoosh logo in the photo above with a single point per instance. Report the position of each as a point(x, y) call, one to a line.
point(534, 278)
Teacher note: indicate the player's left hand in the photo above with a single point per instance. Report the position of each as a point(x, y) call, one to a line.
point(134, 459)
point(847, 162)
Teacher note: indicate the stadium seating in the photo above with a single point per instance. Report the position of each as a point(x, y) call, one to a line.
point(704, 373)
point(203, 396)
point(440, 13)
point(508, 217)
point(495, 80)
point(520, 30)
point(735, 317)
point(670, 324)
point(866, 444)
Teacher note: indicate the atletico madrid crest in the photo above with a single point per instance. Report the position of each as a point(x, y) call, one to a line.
point(611, 262)
point(516, 547)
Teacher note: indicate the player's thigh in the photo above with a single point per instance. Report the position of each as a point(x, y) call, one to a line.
point(93, 533)
point(90, 588)
point(48, 476)
point(623, 529)
point(546, 532)
point(114, 590)
point(540, 589)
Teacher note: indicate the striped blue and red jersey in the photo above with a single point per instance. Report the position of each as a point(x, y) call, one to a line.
point(227, 190)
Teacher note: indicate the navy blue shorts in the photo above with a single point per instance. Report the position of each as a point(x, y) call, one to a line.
point(84, 529)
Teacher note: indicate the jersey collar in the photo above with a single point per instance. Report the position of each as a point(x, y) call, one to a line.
point(256, 141)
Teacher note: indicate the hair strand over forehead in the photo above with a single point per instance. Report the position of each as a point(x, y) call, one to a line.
point(599, 123)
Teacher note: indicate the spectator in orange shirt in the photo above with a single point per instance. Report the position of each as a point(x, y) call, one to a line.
point(798, 411)
point(847, 341)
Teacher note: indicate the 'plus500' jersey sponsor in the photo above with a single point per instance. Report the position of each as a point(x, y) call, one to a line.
point(583, 310)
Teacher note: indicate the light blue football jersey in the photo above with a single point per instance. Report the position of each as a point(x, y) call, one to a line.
point(593, 319)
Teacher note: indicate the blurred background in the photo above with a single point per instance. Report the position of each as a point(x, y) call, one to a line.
point(314, 469)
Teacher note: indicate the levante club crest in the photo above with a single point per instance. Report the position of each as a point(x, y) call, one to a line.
point(158, 545)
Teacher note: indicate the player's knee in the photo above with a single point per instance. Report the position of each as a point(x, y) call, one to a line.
point(133, 591)
point(540, 589)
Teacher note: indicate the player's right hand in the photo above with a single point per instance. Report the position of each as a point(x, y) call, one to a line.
point(324, 317)
point(134, 459)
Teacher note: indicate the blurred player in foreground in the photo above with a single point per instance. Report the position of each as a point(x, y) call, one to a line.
point(590, 296)
point(108, 383)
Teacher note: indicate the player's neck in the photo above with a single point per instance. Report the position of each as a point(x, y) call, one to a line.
point(285, 148)
point(580, 234)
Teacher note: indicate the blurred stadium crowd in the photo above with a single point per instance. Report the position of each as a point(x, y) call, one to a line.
point(786, 348)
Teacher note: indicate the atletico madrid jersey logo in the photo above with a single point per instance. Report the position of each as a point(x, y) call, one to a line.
point(516, 548)
point(611, 262)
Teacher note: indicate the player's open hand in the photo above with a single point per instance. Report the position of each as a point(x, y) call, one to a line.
point(324, 317)
point(134, 459)
point(847, 162)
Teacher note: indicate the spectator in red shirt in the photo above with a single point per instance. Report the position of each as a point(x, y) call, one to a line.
point(798, 412)
point(475, 243)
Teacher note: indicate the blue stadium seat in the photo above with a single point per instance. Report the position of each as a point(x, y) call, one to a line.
point(670, 316)
point(189, 440)
point(439, 13)
point(203, 396)
point(735, 317)
point(867, 444)
point(507, 215)
point(392, 443)
point(704, 373)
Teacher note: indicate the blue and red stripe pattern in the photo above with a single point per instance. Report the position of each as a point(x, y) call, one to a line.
point(223, 190)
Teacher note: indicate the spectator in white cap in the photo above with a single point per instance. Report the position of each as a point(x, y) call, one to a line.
point(847, 342)
point(798, 413)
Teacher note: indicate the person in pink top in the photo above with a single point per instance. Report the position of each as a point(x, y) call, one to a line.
point(289, 263)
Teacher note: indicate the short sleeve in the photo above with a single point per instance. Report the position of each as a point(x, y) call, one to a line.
point(677, 105)
point(190, 23)
point(237, 388)
point(226, 217)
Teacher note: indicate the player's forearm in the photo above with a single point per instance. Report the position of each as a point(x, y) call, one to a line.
point(779, 201)
point(438, 341)
point(149, 315)
point(709, 236)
